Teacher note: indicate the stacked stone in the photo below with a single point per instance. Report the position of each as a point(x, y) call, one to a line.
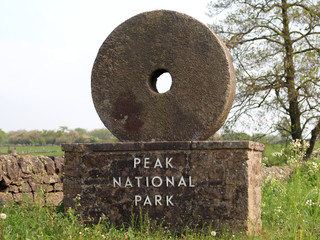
point(31, 178)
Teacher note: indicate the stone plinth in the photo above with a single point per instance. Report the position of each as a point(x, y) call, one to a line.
point(177, 183)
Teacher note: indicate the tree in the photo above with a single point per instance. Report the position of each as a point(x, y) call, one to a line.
point(276, 50)
point(3, 137)
point(103, 134)
point(81, 131)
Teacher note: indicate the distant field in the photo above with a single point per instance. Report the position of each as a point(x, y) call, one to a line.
point(34, 150)
point(56, 150)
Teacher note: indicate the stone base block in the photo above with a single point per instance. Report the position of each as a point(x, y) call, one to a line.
point(173, 183)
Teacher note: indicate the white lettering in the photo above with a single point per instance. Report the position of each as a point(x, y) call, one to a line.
point(157, 200)
point(169, 181)
point(147, 201)
point(160, 181)
point(168, 160)
point(138, 180)
point(182, 182)
point(117, 182)
point(137, 199)
point(147, 181)
point(128, 183)
point(146, 161)
point(136, 161)
point(190, 182)
point(158, 163)
point(169, 200)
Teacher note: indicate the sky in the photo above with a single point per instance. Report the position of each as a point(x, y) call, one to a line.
point(47, 50)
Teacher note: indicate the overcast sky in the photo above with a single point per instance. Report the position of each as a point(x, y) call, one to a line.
point(47, 49)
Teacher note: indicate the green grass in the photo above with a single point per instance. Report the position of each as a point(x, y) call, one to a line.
point(269, 159)
point(34, 150)
point(291, 210)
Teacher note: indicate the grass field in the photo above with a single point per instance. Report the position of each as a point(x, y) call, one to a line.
point(34, 150)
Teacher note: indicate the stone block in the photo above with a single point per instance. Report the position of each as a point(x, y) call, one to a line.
point(37, 165)
point(57, 187)
point(59, 164)
point(23, 197)
point(25, 165)
point(13, 189)
point(54, 198)
point(13, 170)
point(202, 186)
point(25, 187)
point(33, 185)
point(49, 165)
point(5, 197)
point(51, 179)
point(39, 198)
point(72, 186)
point(47, 188)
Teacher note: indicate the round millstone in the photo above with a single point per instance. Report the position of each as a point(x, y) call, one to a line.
point(136, 53)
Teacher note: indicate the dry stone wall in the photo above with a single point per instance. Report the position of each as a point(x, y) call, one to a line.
point(35, 178)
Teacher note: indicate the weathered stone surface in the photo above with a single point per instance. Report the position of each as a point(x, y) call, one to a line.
point(202, 183)
point(51, 179)
point(25, 165)
point(12, 167)
point(49, 165)
point(58, 187)
point(24, 177)
point(13, 188)
point(37, 164)
point(25, 187)
point(136, 53)
point(5, 197)
point(277, 172)
point(59, 164)
point(54, 198)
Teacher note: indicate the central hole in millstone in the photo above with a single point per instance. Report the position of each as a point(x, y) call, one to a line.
point(161, 81)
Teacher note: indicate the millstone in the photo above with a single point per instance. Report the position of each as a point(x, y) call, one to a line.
point(140, 50)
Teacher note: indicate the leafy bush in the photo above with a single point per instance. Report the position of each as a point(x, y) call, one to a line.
point(290, 154)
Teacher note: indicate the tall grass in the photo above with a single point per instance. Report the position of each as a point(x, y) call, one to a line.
point(291, 210)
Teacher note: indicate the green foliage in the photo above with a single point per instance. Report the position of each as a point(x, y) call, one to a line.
point(236, 136)
point(103, 134)
point(285, 154)
point(291, 210)
point(275, 48)
point(3, 137)
point(63, 135)
point(31, 221)
point(268, 158)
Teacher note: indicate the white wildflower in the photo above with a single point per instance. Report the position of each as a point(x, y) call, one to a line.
point(213, 233)
point(277, 210)
point(276, 154)
point(309, 203)
point(3, 216)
